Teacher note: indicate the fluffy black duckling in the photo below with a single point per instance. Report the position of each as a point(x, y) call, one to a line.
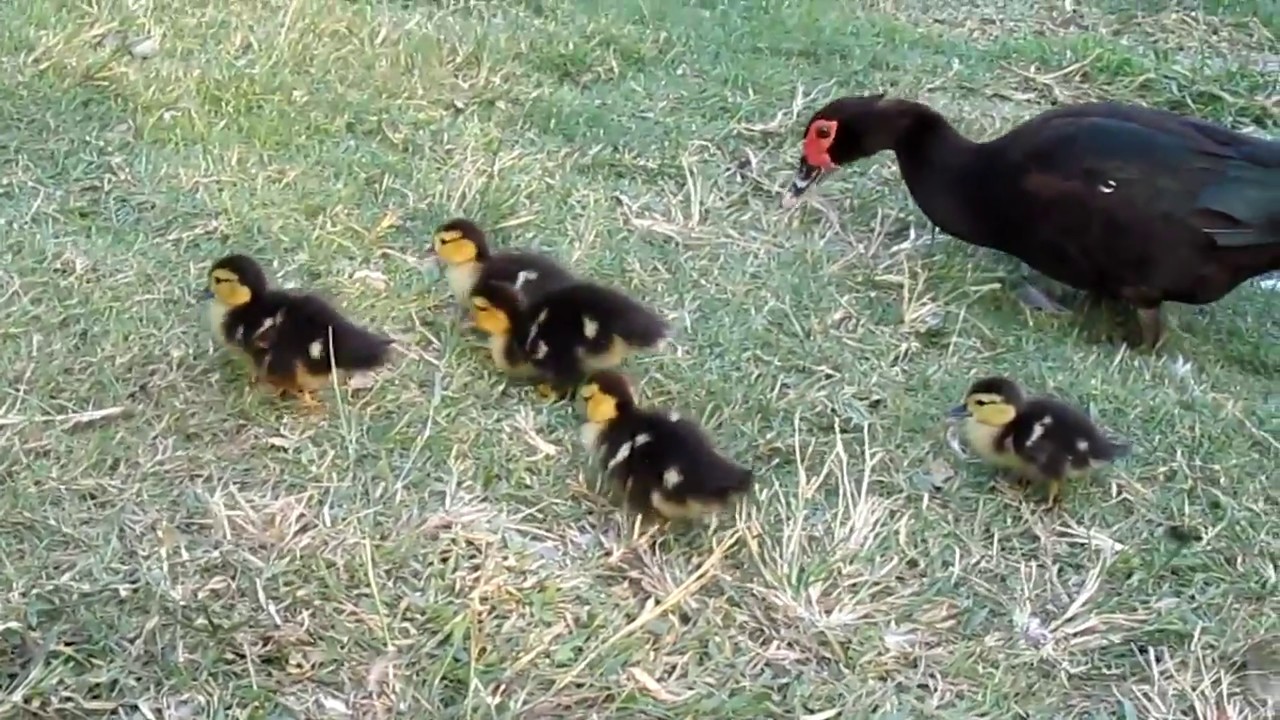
point(1043, 440)
point(499, 313)
point(564, 334)
point(580, 328)
point(240, 318)
point(1131, 203)
point(294, 340)
point(463, 248)
point(664, 463)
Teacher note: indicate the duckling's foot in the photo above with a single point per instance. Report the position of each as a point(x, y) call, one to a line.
point(309, 402)
point(1034, 298)
point(547, 392)
point(1053, 493)
point(555, 393)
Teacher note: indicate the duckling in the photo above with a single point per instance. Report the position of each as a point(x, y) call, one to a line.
point(664, 463)
point(294, 340)
point(461, 245)
point(583, 327)
point(243, 309)
point(1042, 439)
point(499, 313)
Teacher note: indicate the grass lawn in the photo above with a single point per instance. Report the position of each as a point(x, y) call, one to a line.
point(176, 546)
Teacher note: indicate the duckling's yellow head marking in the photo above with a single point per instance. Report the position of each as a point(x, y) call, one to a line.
point(990, 409)
point(235, 280)
point(991, 401)
point(459, 242)
point(601, 406)
point(496, 307)
point(489, 318)
point(608, 395)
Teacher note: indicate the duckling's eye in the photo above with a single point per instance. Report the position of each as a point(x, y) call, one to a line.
point(981, 403)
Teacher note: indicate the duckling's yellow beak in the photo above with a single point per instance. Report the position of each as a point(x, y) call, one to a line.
point(806, 177)
point(959, 411)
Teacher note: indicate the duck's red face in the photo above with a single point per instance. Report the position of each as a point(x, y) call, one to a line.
point(817, 144)
point(815, 158)
point(830, 139)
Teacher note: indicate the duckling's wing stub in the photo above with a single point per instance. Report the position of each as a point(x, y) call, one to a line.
point(612, 313)
point(355, 348)
point(642, 329)
point(531, 274)
point(314, 328)
point(704, 472)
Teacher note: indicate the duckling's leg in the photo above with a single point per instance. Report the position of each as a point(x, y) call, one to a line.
point(464, 317)
point(1054, 492)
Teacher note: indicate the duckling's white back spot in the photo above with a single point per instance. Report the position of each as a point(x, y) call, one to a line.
point(642, 438)
point(1038, 430)
point(672, 477)
point(537, 325)
point(589, 327)
point(619, 457)
point(1082, 445)
point(525, 276)
point(539, 350)
point(673, 416)
point(316, 349)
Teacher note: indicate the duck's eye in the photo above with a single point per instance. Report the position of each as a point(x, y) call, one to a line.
point(823, 132)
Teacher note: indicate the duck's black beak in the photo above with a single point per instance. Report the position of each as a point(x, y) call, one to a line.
point(959, 411)
point(806, 177)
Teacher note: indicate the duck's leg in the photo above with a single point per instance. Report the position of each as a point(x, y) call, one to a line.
point(1151, 321)
point(1034, 298)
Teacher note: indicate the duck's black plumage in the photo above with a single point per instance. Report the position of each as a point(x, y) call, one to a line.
point(1132, 203)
